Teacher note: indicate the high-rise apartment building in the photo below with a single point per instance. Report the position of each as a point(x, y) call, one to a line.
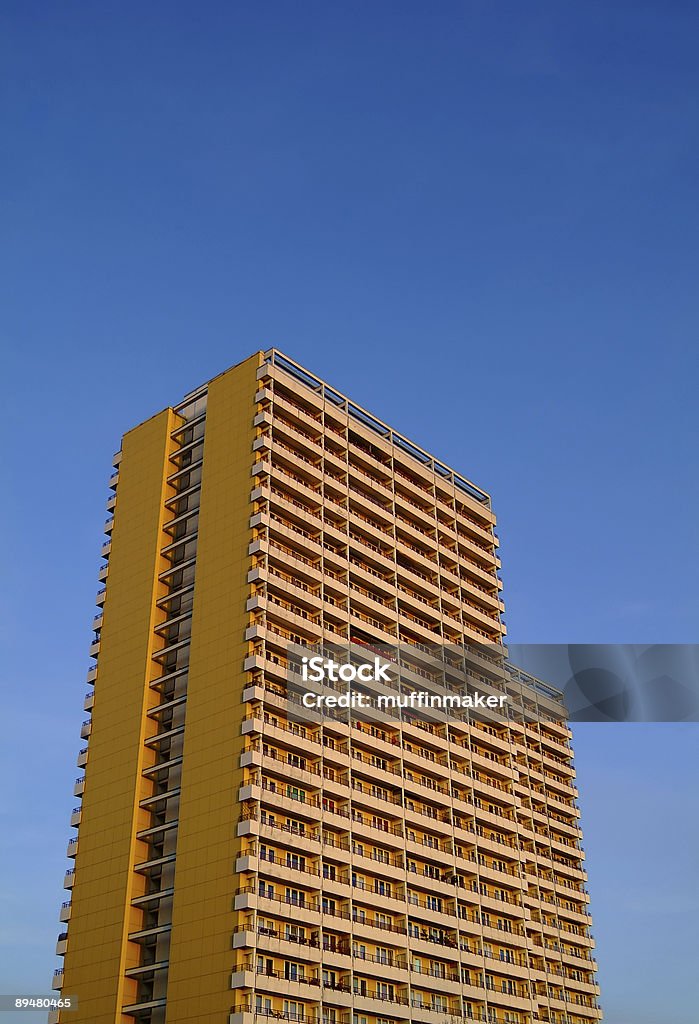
point(233, 864)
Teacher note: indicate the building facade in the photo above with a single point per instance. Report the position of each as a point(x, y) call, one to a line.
point(234, 865)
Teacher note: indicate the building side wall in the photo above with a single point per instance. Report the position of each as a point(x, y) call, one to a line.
point(203, 919)
point(99, 953)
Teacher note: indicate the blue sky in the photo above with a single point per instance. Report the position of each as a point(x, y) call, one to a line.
point(480, 220)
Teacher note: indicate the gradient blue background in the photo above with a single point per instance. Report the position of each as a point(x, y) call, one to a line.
point(478, 219)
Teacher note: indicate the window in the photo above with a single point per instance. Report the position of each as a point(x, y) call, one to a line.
point(295, 896)
point(265, 965)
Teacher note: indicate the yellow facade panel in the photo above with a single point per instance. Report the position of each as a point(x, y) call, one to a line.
point(98, 952)
point(203, 921)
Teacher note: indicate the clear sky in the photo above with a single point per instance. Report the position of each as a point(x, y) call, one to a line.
point(478, 219)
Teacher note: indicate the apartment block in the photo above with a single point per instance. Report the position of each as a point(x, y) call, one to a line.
point(233, 864)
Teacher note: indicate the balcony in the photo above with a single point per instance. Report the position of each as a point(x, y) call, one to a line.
point(276, 982)
point(377, 1001)
point(72, 847)
point(76, 816)
point(304, 910)
point(82, 757)
point(69, 878)
point(65, 911)
point(286, 943)
point(308, 809)
point(57, 982)
point(284, 871)
point(431, 1012)
point(62, 944)
point(306, 839)
point(245, 1014)
point(291, 458)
